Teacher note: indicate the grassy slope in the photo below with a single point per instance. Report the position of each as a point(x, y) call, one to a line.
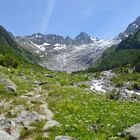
point(9, 49)
point(75, 108)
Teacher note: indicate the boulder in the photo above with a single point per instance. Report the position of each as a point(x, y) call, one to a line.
point(134, 132)
point(5, 136)
point(64, 138)
point(10, 89)
point(50, 124)
point(29, 117)
point(9, 85)
point(6, 82)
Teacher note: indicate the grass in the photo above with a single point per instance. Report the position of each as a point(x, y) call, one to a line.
point(76, 108)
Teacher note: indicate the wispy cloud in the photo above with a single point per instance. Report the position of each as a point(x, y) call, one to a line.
point(88, 12)
point(50, 5)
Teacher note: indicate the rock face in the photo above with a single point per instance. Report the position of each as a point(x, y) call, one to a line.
point(50, 39)
point(134, 132)
point(83, 38)
point(131, 29)
point(53, 39)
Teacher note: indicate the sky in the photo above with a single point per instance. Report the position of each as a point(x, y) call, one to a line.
point(100, 18)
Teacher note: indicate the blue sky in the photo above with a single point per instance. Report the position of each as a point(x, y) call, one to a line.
point(100, 18)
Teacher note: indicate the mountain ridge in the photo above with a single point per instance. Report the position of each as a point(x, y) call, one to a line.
point(130, 30)
point(65, 54)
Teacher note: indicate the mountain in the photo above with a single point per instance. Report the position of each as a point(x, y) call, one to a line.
point(83, 38)
point(131, 42)
point(130, 30)
point(68, 41)
point(65, 54)
point(10, 52)
point(126, 52)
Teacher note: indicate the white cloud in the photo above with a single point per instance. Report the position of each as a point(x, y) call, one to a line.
point(50, 5)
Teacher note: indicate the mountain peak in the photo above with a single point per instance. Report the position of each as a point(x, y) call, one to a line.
point(83, 35)
point(37, 35)
point(138, 19)
point(83, 38)
point(131, 29)
point(68, 40)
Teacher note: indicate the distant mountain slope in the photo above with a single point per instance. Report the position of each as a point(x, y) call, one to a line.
point(131, 29)
point(127, 52)
point(10, 52)
point(132, 42)
point(65, 54)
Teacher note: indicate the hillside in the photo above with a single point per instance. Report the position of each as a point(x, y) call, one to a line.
point(131, 29)
point(127, 52)
point(10, 52)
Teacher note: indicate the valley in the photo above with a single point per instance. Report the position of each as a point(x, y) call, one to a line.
point(56, 88)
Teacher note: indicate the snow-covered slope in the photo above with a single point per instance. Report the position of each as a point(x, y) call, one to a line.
point(65, 54)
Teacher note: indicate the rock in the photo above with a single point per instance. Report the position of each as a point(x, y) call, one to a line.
point(134, 132)
point(6, 82)
point(9, 85)
point(19, 108)
point(39, 83)
point(46, 135)
point(64, 138)
point(50, 124)
point(35, 82)
point(122, 134)
point(29, 117)
point(10, 89)
point(93, 127)
point(5, 123)
point(5, 136)
point(49, 117)
point(49, 76)
point(30, 94)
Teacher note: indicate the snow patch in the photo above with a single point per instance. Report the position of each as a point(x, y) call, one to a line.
point(37, 51)
point(59, 46)
point(41, 56)
point(94, 39)
point(135, 25)
point(41, 47)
